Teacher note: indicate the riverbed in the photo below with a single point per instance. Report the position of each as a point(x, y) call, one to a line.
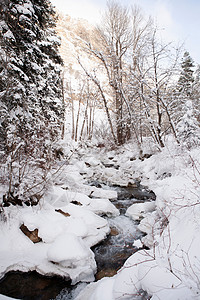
point(110, 254)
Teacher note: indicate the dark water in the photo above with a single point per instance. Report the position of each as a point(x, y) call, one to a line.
point(31, 286)
point(110, 254)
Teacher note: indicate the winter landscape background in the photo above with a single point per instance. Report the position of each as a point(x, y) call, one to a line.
point(99, 150)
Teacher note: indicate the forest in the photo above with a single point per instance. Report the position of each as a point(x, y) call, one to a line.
point(100, 159)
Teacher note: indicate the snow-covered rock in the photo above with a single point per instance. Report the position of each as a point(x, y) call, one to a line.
point(148, 222)
point(92, 161)
point(71, 253)
point(138, 244)
point(103, 207)
point(66, 237)
point(137, 211)
point(60, 198)
point(102, 193)
point(103, 289)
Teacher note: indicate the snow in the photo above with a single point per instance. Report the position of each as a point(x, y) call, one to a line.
point(66, 241)
point(170, 269)
point(138, 244)
point(60, 197)
point(103, 207)
point(26, 9)
point(9, 35)
point(138, 210)
point(2, 297)
point(70, 252)
point(69, 217)
point(97, 290)
point(101, 193)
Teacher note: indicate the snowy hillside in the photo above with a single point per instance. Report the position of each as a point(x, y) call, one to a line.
point(74, 33)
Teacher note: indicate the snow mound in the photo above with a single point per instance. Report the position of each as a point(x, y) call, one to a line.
point(96, 290)
point(101, 193)
point(70, 252)
point(103, 207)
point(137, 211)
point(66, 236)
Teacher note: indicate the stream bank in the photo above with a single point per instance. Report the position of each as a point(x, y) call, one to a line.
point(110, 254)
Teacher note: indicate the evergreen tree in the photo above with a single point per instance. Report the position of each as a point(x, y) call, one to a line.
point(196, 91)
point(31, 104)
point(188, 128)
point(186, 115)
point(186, 79)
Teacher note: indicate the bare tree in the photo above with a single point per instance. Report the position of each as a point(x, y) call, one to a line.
point(115, 38)
point(154, 73)
point(164, 67)
point(134, 86)
point(103, 96)
point(121, 38)
point(139, 73)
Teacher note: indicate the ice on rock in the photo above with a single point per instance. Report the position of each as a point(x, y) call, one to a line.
point(137, 211)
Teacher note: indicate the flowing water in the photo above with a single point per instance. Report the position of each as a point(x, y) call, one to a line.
point(110, 254)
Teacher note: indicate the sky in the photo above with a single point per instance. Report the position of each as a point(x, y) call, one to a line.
point(179, 20)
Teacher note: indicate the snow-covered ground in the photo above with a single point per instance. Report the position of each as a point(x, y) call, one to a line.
point(171, 268)
point(70, 222)
point(68, 225)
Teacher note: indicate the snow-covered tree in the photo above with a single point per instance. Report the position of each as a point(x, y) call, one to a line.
point(196, 93)
point(31, 92)
point(115, 39)
point(185, 112)
point(120, 34)
point(188, 128)
point(151, 84)
point(186, 79)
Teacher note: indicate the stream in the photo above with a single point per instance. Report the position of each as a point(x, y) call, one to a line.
point(110, 254)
